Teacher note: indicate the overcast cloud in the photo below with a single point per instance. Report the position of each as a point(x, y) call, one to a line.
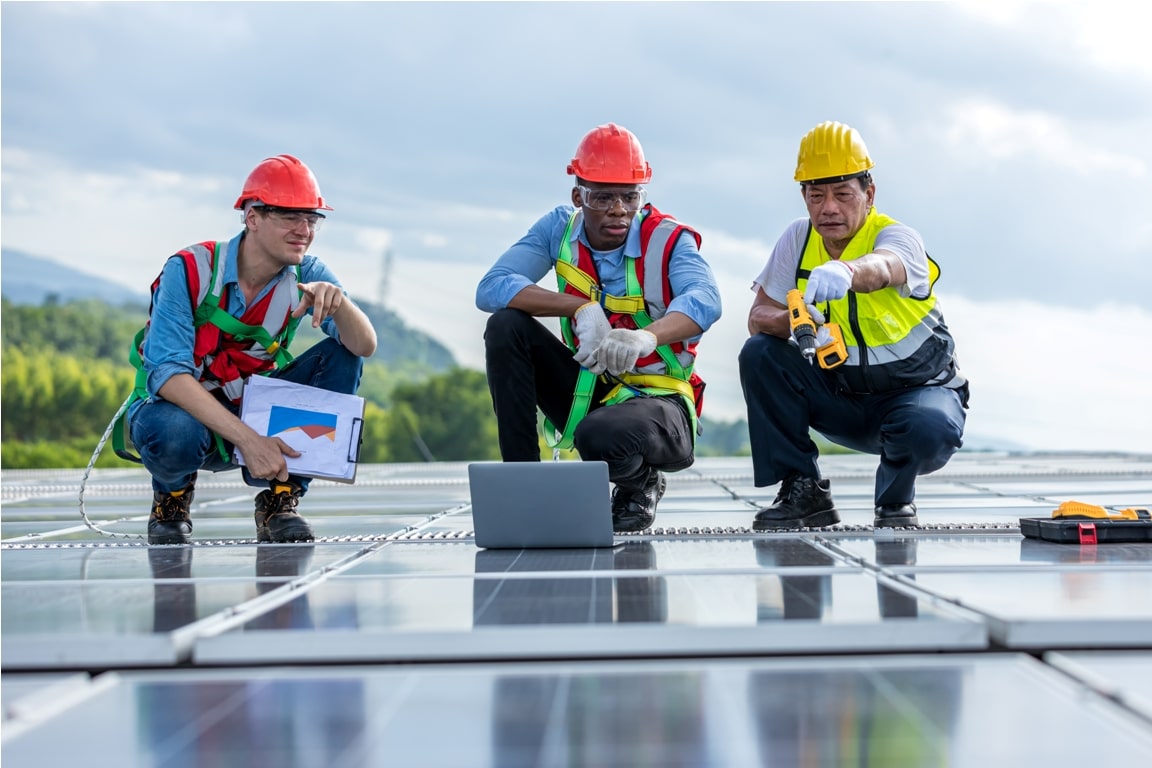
point(1014, 137)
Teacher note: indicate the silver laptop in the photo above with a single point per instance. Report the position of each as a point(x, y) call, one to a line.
point(537, 504)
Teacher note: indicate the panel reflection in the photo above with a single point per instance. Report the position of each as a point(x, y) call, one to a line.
point(174, 592)
point(852, 717)
point(807, 596)
point(546, 599)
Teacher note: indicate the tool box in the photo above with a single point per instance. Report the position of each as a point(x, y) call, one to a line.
point(1075, 522)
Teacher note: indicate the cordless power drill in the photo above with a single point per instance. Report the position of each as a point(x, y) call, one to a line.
point(832, 353)
point(803, 326)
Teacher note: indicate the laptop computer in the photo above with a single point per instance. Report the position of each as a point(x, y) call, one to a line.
point(541, 504)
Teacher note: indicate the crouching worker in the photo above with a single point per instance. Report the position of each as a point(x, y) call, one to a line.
point(891, 385)
point(222, 312)
point(633, 297)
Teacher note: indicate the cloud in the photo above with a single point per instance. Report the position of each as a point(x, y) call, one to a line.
point(990, 131)
point(1010, 139)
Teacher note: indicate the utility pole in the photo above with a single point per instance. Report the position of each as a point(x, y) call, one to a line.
point(385, 276)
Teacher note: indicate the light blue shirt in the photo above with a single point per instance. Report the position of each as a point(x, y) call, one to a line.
point(168, 347)
point(694, 289)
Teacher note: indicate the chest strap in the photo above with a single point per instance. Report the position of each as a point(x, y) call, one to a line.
point(583, 282)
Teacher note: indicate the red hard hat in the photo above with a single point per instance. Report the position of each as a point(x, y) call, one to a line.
point(282, 181)
point(610, 154)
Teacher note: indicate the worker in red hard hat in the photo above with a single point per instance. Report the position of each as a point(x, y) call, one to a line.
point(633, 296)
point(223, 312)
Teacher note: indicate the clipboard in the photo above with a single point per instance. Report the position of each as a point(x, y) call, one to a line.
point(325, 427)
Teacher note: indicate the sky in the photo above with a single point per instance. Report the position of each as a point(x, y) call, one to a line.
point(1015, 137)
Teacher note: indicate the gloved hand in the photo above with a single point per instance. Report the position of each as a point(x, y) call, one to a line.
point(828, 282)
point(591, 326)
point(622, 347)
point(823, 336)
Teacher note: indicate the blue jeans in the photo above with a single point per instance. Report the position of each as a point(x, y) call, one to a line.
point(174, 446)
point(915, 431)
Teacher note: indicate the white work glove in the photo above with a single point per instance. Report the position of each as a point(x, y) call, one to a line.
point(828, 282)
point(823, 336)
point(622, 347)
point(591, 326)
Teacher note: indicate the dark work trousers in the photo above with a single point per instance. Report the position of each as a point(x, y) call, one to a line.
point(174, 445)
point(915, 431)
point(529, 367)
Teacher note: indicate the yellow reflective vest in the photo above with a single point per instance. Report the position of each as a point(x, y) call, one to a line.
point(893, 342)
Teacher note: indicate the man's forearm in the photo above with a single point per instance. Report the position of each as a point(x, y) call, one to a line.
point(356, 331)
point(541, 302)
point(673, 327)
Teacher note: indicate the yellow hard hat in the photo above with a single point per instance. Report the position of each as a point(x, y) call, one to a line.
point(831, 152)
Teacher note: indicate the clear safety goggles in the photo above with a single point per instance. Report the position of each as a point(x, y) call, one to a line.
point(632, 198)
point(292, 217)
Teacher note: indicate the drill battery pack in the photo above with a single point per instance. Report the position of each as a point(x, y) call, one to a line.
point(1075, 522)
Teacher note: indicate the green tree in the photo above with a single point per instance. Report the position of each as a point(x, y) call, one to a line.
point(448, 417)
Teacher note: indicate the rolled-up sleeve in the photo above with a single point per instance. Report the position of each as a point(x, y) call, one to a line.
point(171, 334)
point(907, 244)
point(525, 263)
point(694, 288)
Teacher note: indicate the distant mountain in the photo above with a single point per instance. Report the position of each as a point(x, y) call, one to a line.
point(31, 280)
point(28, 279)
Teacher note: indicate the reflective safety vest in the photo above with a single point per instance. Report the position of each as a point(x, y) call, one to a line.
point(893, 342)
point(226, 349)
point(669, 369)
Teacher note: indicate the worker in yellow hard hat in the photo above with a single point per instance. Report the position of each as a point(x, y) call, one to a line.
point(897, 390)
point(634, 297)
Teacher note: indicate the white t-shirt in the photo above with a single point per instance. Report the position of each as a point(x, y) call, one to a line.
point(779, 274)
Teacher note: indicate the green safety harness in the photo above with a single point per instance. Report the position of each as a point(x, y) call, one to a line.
point(628, 385)
point(208, 311)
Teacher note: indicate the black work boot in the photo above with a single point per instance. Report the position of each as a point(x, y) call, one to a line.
point(896, 516)
point(803, 502)
point(276, 516)
point(170, 522)
point(634, 509)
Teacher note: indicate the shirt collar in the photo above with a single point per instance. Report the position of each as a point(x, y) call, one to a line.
point(631, 248)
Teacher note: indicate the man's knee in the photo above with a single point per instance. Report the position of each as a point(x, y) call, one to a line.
point(935, 436)
point(167, 434)
point(505, 324)
point(753, 354)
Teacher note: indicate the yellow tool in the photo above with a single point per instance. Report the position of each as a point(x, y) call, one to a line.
point(1079, 510)
point(830, 354)
point(834, 352)
point(803, 326)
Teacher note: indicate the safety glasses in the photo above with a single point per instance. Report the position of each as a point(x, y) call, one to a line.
point(632, 198)
point(292, 217)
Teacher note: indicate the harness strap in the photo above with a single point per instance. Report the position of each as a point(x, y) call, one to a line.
point(583, 282)
point(207, 312)
point(581, 402)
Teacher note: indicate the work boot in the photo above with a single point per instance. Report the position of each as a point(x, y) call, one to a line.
point(170, 521)
point(634, 509)
point(802, 502)
point(276, 516)
point(896, 516)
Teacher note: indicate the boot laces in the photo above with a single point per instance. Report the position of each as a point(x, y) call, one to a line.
point(794, 488)
point(281, 500)
point(170, 507)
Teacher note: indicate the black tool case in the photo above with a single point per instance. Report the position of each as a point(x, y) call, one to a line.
point(1085, 531)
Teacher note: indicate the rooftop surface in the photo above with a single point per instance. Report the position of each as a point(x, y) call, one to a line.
point(394, 640)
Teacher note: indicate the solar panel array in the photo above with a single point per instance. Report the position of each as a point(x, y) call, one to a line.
point(393, 639)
